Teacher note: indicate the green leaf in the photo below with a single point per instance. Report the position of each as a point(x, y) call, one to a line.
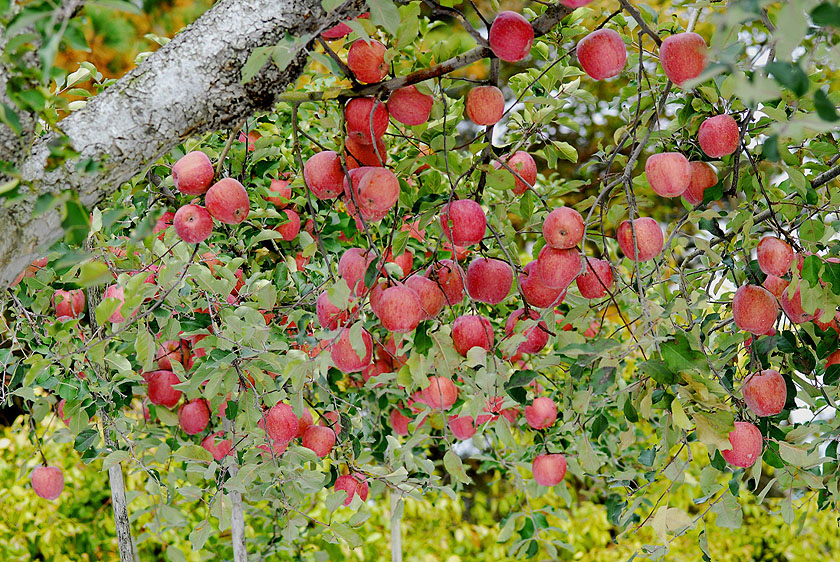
point(729, 514)
point(679, 356)
point(356, 340)
point(259, 57)
point(85, 439)
point(713, 429)
point(567, 151)
point(115, 457)
point(199, 535)
point(384, 13)
point(455, 467)
point(790, 76)
point(827, 13)
point(409, 26)
point(825, 108)
point(658, 371)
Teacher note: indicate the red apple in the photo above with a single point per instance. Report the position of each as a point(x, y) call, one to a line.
point(683, 57)
point(449, 276)
point(441, 393)
point(597, 281)
point(470, 331)
point(536, 336)
point(719, 136)
point(536, 293)
point(410, 106)
point(194, 416)
point(399, 309)
point(193, 173)
point(703, 176)
point(541, 413)
point(47, 481)
point(366, 60)
point(774, 256)
point(549, 469)
point(115, 292)
point(219, 449)
point(357, 115)
point(227, 201)
point(354, 485)
point(283, 190)
point(754, 309)
point(345, 358)
point(746, 442)
point(602, 54)
point(161, 391)
point(557, 268)
point(485, 105)
point(319, 439)
point(649, 239)
point(281, 423)
point(291, 228)
point(523, 164)
point(323, 175)
point(193, 224)
point(463, 222)
point(668, 173)
point(432, 298)
point(563, 228)
point(765, 392)
point(511, 36)
point(69, 303)
point(489, 280)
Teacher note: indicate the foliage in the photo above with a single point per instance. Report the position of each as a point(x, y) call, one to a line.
point(647, 380)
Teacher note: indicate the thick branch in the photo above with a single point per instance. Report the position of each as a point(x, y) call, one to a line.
point(191, 85)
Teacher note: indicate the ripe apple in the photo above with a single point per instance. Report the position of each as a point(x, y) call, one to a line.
point(683, 57)
point(541, 413)
point(194, 416)
point(649, 239)
point(485, 105)
point(511, 36)
point(193, 224)
point(536, 336)
point(357, 114)
point(746, 442)
point(489, 280)
point(754, 309)
point(323, 175)
point(563, 228)
point(441, 393)
point(462, 427)
point(169, 351)
point(765, 392)
point(289, 229)
point(219, 449)
point(776, 285)
point(470, 331)
point(719, 136)
point(792, 306)
point(549, 469)
point(354, 485)
point(281, 423)
point(379, 190)
point(366, 60)
point(399, 309)
point(463, 222)
point(329, 316)
point(227, 201)
point(319, 439)
point(668, 173)
point(409, 106)
point(115, 292)
point(538, 294)
point(703, 176)
point(597, 280)
point(523, 164)
point(557, 268)
point(449, 276)
point(774, 256)
point(602, 54)
point(47, 481)
point(345, 357)
point(352, 267)
point(161, 391)
point(357, 154)
point(193, 173)
point(432, 298)
point(283, 190)
point(70, 304)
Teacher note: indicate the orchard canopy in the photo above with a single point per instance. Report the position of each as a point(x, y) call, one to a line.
point(312, 261)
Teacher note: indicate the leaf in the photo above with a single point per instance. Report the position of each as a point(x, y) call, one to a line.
point(713, 429)
point(199, 535)
point(827, 13)
point(259, 57)
point(357, 341)
point(588, 458)
point(85, 439)
point(825, 108)
point(384, 13)
point(680, 419)
point(679, 356)
point(174, 554)
point(115, 457)
point(790, 76)
point(567, 151)
point(455, 467)
point(658, 371)
point(409, 26)
point(729, 514)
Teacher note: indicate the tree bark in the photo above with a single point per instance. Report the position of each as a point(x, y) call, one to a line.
point(115, 475)
point(189, 86)
point(396, 527)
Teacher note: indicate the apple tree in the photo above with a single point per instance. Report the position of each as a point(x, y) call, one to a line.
point(338, 253)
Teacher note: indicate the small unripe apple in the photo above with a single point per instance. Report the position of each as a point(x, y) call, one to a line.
point(754, 309)
point(319, 439)
point(765, 392)
point(703, 176)
point(323, 175)
point(485, 105)
point(441, 393)
point(537, 293)
point(193, 224)
point(602, 54)
point(549, 469)
point(746, 442)
point(489, 280)
point(536, 336)
point(774, 256)
point(409, 106)
point(557, 268)
point(345, 358)
point(367, 61)
point(289, 229)
point(193, 173)
point(683, 57)
point(47, 481)
point(354, 485)
point(194, 416)
point(470, 331)
point(541, 413)
point(357, 114)
point(668, 173)
point(449, 276)
point(597, 280)
point(227, 201)
point(161, 391)
point(69, 304)
point(463, 222)
point(649, 239)
point(563, 228)
point(281, 423)
point(511, 36)
point(719, 136)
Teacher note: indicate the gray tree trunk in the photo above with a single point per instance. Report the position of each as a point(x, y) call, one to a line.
point(189, 86)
